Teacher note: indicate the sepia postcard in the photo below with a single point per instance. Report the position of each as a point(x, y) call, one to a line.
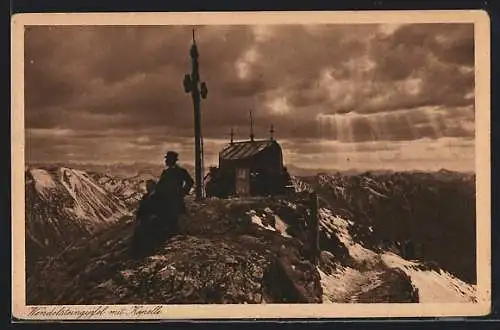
point(250, 165)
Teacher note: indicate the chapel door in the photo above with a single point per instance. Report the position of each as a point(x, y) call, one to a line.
point(242, 181)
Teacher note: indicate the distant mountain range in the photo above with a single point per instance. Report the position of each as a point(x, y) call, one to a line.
point(140, 168)
point(123, 170)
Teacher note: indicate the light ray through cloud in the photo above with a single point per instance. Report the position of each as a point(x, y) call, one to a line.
point(367, 93)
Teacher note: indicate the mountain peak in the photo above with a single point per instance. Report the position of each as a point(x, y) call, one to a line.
point(63, 204)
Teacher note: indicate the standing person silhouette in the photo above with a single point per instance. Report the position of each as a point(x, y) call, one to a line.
point(174, 183)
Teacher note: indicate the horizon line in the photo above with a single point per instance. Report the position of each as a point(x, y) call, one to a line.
point(290, 168)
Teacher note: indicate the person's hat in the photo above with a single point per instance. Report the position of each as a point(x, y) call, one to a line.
point(172, 155)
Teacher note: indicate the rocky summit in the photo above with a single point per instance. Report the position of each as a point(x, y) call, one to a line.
point(228, 259)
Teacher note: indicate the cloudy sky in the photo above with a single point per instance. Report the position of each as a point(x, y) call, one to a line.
point(339, 96)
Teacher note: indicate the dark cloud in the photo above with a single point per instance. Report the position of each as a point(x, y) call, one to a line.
point(127, 81)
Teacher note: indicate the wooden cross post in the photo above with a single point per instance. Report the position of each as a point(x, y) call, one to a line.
point(198, 91)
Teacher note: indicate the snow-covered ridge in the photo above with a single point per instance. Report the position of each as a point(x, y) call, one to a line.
point(90, 199)
point(344, 283)
point(75, 192)
point(130, 189)
point(434, 286)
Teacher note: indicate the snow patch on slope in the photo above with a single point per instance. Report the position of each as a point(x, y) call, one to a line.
point(334, 225)
point(345, 284)
point(433, 286)
point(279, 225)
point(258, 221)
point(373, 191)
point(90, 199)
point(43, 180)
point(338, 285)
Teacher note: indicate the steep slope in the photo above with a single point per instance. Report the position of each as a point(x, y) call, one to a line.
point(429, 211)
point(63, 205)
point(383, 276)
